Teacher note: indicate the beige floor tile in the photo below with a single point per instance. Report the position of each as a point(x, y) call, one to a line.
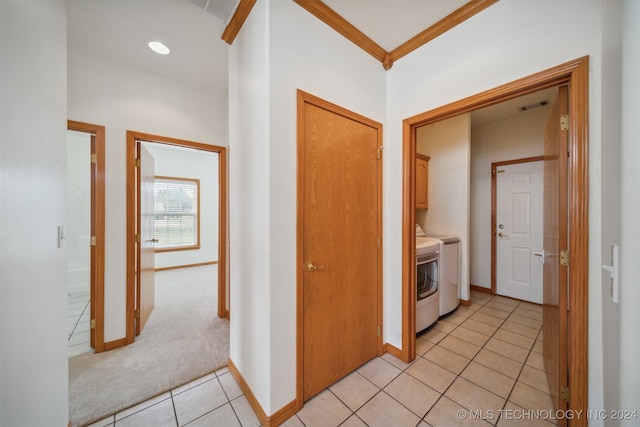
point(422, 346)
point(325, 409)
point(517, 328)
point(468, 335)
point(535, 360)
point(400, 364)
point(107, 422)
point(497, 362)
point(528, 313)
point(488, 319)
point(448, 413)
point(230, 386)
point(193, 383)
point(483, 328)
point(489, 379)
point(222, 416)
point(474, 397)
point(515, 339)
point(379, 371)
point(515, 416)
point(447, 359)
point(413, 394)
point(530, 398)
point(500, 306)
point(530, 306)
point(461, 347)
point(527, 321)
point(464, 311)
point(474, 306)
point(433, 335)
point(198, 401)
point(494, 312)
point(431, 374)
point(143, 405)
point(506, 301)
point(158, 415)
point(454, 318)
point(534, 378)
point(384, 411)
point(537, 347)
point(511, 351)
point(444, 327)
point(354, 390)
point(245, 413)
point(353, 421)
point(293, 422)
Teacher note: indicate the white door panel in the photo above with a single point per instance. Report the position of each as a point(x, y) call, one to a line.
point(519, 231)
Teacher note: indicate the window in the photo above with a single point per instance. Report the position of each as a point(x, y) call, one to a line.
point(177, 219)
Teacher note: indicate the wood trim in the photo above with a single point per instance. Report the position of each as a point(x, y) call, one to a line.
point(177, 267)
point(408, 242)
point(576, 74)
point(454, 19)
point(302, 99)
point(465, 302)
point(278, 417)
point(330, 17)
point(133, 139)
point(480, 289)
point(234, 26)
point(112, 345)
point(98, 226)
point(494, 210)
point(393, 350)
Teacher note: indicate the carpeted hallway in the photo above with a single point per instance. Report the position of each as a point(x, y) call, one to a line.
point(183, 340)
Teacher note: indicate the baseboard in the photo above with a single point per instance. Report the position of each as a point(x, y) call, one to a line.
point(465, 302)
point(176, 267)
point(394, 351)
point(274, 420)
point(481, 289)
point(110, 345)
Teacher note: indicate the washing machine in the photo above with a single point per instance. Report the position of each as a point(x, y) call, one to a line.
point(427, 280)
point(449, 272)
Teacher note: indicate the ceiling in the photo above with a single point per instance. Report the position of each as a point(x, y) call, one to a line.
point(119, 30)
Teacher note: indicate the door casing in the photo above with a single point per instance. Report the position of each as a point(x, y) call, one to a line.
point(133, 140)
point(576, 74)
point(97, 229)
point(304, 98)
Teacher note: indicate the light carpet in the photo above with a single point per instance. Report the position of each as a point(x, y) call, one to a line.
point(184, 339)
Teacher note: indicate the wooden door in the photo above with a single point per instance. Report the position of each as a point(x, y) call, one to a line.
point(519, 241)
point(146, 268)
point(555, 240)
point(339, 264)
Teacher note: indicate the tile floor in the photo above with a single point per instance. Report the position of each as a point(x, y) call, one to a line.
point(483, 361)
point(78, 323)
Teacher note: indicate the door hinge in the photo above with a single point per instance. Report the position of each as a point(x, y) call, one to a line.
point(138, 163)
point(94, 159)
point(564, 258)
point(564, 393)
point(93, 323)
point(93, 240)
point(378, 329)
point(497, 171)
point(136, 314)
point(380, 148)
point(138, 238)
point(564, 122)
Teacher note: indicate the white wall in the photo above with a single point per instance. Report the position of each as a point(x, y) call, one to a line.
point(499, 45)
point(177, 162)
point(448, 144)
point(281, 48)
point(507, 139)
point(121, 98)
point(33, 276)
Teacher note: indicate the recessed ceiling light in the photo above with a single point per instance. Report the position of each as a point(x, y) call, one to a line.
point(158, 47)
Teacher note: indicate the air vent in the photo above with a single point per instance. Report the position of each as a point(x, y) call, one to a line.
point(222, 9)
point(534, 105)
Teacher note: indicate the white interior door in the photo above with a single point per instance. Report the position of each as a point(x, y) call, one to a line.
point(519, 256)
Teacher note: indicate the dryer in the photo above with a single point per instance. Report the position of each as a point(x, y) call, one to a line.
point(449, 272)
point(427, 280)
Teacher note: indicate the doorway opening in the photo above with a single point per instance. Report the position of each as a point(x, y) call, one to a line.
point(575, 75)
point(141, 247)
point(85, 236)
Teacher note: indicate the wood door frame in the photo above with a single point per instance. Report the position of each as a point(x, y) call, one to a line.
point(576, 74)
point(494, 206)
point(306, 98)
point(97, 228)
point(133, 220)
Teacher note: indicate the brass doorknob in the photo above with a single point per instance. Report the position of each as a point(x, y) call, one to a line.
point(502, 235)
point(312, 267)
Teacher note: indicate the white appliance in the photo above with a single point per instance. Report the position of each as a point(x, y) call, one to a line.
point(449, 272)
point(427, 278)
